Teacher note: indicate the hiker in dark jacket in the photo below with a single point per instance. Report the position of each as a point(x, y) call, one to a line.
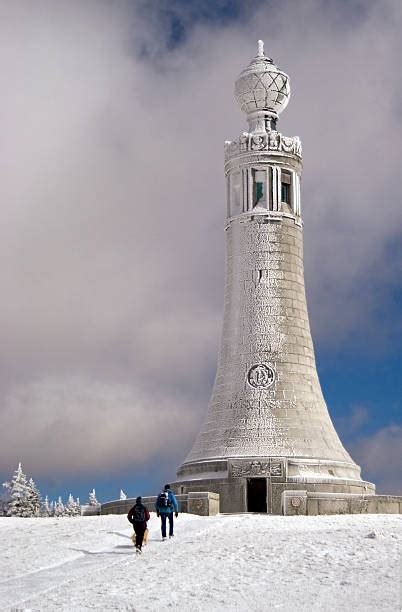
point(138, 517)
point(165, 505)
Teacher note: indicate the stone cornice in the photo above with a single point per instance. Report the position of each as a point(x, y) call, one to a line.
point(267, 215)
point(269, 141)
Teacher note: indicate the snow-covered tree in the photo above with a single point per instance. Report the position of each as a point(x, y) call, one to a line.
point(92, 501)
point(78, 505)
point(5, 499)
point(122, 494)
point(45, 509)
point(33, 498)
point(51, 508)
point(71, 508)
point(59, 508)
point(19, 504)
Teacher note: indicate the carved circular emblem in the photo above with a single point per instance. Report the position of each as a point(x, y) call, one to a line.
point(296, 502)
point(260, 376)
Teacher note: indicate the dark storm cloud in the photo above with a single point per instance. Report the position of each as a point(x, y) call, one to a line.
point(113, 202)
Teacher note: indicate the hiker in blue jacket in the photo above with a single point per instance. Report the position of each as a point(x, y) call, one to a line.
point(165, 505)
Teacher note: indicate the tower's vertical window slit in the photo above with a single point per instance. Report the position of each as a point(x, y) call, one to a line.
point(286, 197)
point(285, 193)
point(260, 188)
point(270, 192)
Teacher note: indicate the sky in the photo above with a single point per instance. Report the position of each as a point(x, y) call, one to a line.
point(113, 118)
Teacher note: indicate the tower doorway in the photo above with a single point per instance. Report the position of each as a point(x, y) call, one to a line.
point(257, 495)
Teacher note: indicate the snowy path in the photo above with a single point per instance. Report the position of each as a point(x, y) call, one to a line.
point(249, 562)
point(16, 591)
point(77, 562)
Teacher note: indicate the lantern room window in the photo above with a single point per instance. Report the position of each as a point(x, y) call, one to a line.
point(285, 187)
point(285, 197)
point(260, 188)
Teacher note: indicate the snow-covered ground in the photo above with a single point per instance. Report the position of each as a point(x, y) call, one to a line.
point(243, 562)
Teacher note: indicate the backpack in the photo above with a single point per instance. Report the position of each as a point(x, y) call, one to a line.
point(139, 514)
point(164, 500)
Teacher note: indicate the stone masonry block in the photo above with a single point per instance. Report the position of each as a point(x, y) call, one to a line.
point(294, 502)
point(203, 503)
point(386, 506)
point(359, 506)
point(333, 506)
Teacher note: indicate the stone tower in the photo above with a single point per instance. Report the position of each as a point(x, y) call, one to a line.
point(267, 428)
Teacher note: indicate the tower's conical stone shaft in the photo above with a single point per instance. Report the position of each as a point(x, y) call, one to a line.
point(267, 428)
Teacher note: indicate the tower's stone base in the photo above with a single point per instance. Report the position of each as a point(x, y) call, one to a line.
point(255, 484)
point(300, 502)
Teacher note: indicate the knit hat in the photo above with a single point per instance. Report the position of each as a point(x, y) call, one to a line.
point(138, 500)
point(167, 486)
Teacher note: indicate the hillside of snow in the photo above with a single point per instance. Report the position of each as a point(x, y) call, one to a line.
point(238, 562)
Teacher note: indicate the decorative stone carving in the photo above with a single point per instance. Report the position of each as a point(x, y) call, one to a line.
point(296, 502)
point(257, 468)
point(198, 504)
point(258, 143)
point(260, 376)
point(262, 90)
point(276, 469)
point(270, 141)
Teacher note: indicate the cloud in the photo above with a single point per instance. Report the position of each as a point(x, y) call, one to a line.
point(381, 456)
point(113, 202)
point(69, 426)
point(355, 420)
